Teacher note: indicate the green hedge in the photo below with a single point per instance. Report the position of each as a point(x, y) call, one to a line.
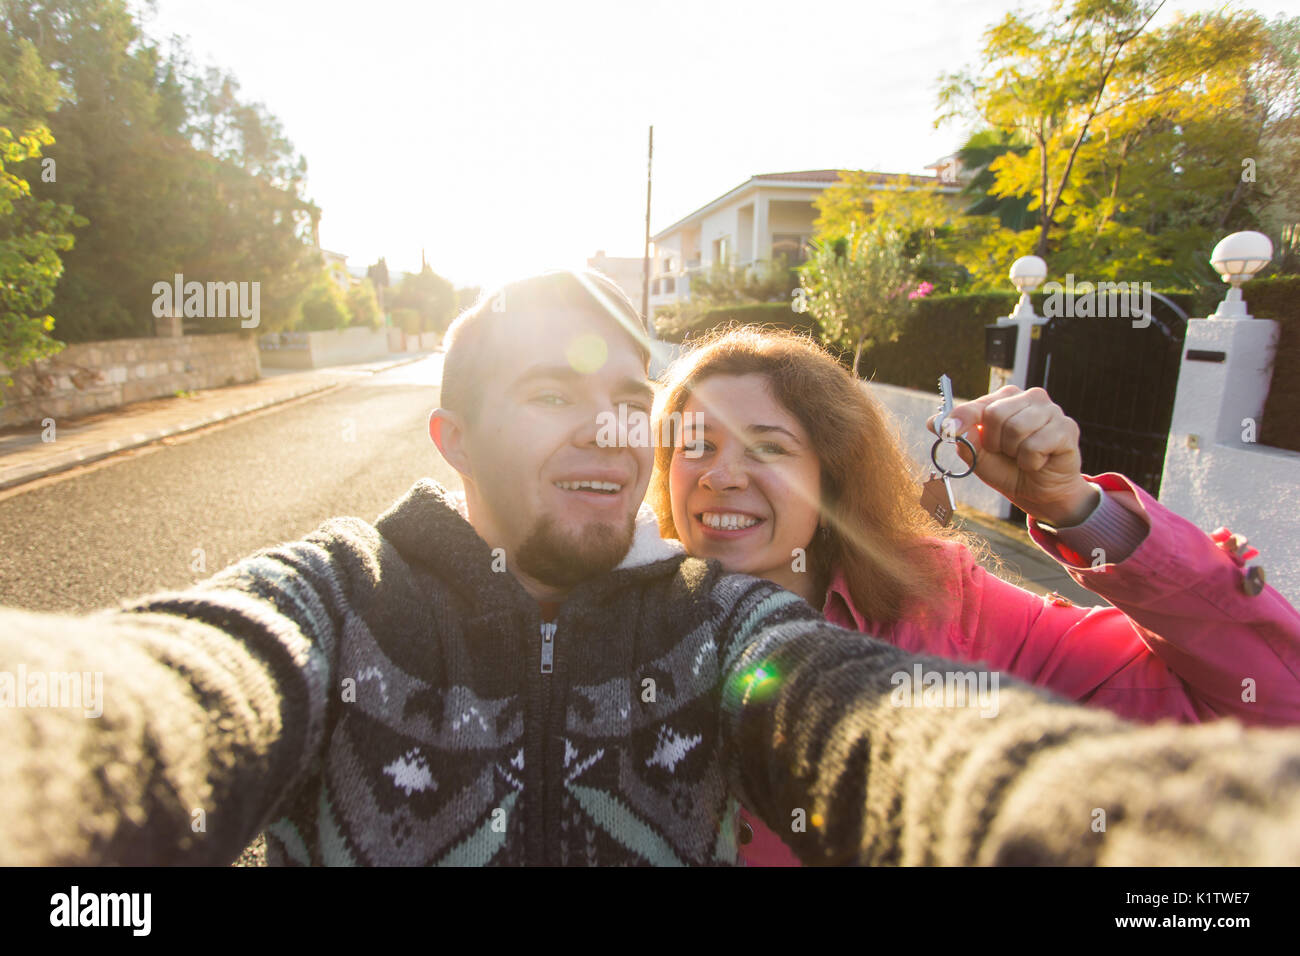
point(779, 314)
point(945, 333)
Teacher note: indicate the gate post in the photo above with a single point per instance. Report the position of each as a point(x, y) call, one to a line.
point(1223, 384)
point(1213, 461)
point(1227, 358)
point(1027, 274)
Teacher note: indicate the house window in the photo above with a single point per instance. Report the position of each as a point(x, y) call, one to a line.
point(668, 264)
point(793, 247)
point(670, 284)
point(722, 250)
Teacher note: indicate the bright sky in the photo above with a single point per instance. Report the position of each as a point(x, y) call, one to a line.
point(505, 138)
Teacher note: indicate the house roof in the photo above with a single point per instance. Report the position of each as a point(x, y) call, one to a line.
point(808, 178)
point(808, 175)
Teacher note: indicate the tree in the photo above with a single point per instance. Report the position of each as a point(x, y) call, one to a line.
point(977, 156)
point(930, 220)
point(175, 173)
point(378, 276)
point(363, 306)
point(32, 234)
point(29, 90)
point(32, 231)
point(430, 295)
point(324, 305)
point(1085, 85)
point(856, 287)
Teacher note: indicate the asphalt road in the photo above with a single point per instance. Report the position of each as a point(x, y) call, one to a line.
point(174, 514)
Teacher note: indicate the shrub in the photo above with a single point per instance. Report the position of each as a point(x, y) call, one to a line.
point(408, 320)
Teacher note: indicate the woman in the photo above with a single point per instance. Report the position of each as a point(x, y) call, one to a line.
point(785, 468)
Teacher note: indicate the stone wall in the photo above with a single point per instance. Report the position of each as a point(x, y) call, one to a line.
point(92, 376)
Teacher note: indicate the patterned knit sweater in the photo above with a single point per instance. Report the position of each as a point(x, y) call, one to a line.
point(381, 695)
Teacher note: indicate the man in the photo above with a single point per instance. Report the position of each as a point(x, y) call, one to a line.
point(531, 676)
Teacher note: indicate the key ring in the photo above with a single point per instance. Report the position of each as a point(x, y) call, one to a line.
point(943, 471)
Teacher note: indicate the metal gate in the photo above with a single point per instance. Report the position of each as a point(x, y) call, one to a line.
point(1118, 382)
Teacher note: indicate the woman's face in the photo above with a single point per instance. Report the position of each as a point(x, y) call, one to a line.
point(748, 492)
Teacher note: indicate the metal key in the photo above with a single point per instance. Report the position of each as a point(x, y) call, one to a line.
point(945, 406)
point(936, 495)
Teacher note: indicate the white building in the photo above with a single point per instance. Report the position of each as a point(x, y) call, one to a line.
point(337, 264)
point(626, 273)
point(765, 217)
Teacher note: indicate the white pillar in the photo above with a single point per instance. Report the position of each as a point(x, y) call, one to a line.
point(1214, 398)
point(762, 241)
point(1028, 324)
point(1216, 473)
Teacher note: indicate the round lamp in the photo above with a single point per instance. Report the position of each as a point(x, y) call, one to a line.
point(1237, 258)
point(1028, 273)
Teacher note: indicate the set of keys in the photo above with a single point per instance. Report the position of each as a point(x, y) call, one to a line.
point(936, 493)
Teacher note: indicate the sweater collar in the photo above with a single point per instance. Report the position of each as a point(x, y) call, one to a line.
point(428, 530)
point(429, 526)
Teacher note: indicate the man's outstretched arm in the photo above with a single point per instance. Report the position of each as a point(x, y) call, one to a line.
point(212, 703)
point(856, 752)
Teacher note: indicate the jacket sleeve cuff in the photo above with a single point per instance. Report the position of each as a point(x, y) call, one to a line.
point(1117, 493)
point(1111, 529)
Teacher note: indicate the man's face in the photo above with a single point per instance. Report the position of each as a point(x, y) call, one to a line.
point(547, 484)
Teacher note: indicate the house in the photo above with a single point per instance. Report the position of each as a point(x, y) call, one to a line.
point(949, 169)
point(767, 216)
point(337, 264)
point(626, 273)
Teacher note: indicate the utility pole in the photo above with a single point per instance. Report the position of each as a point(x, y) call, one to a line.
point(645, 260)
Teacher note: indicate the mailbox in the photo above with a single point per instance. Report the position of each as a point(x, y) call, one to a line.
point(1000, 345)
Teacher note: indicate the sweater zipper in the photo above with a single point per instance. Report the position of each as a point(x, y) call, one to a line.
point(548, 646)
point(547, 668)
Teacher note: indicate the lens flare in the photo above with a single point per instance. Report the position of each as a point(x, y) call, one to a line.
point(758, 682)
point(587, 353)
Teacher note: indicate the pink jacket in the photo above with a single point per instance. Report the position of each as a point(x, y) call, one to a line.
point(1183, 640)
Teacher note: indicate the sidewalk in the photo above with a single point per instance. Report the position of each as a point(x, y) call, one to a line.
point(1026, 564)
point(25, 457)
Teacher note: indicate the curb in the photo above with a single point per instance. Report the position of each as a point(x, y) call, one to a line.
point(415, 357)
point(19, 475)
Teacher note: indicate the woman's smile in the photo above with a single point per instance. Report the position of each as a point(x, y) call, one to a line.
point(748, 492)
point(725, 524)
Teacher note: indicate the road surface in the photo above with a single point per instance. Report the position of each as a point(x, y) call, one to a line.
point(174, 514)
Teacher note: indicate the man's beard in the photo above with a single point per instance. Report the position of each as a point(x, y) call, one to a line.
point(562, 559)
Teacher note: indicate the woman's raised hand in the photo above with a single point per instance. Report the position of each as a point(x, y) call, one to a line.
point(1028, 452)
